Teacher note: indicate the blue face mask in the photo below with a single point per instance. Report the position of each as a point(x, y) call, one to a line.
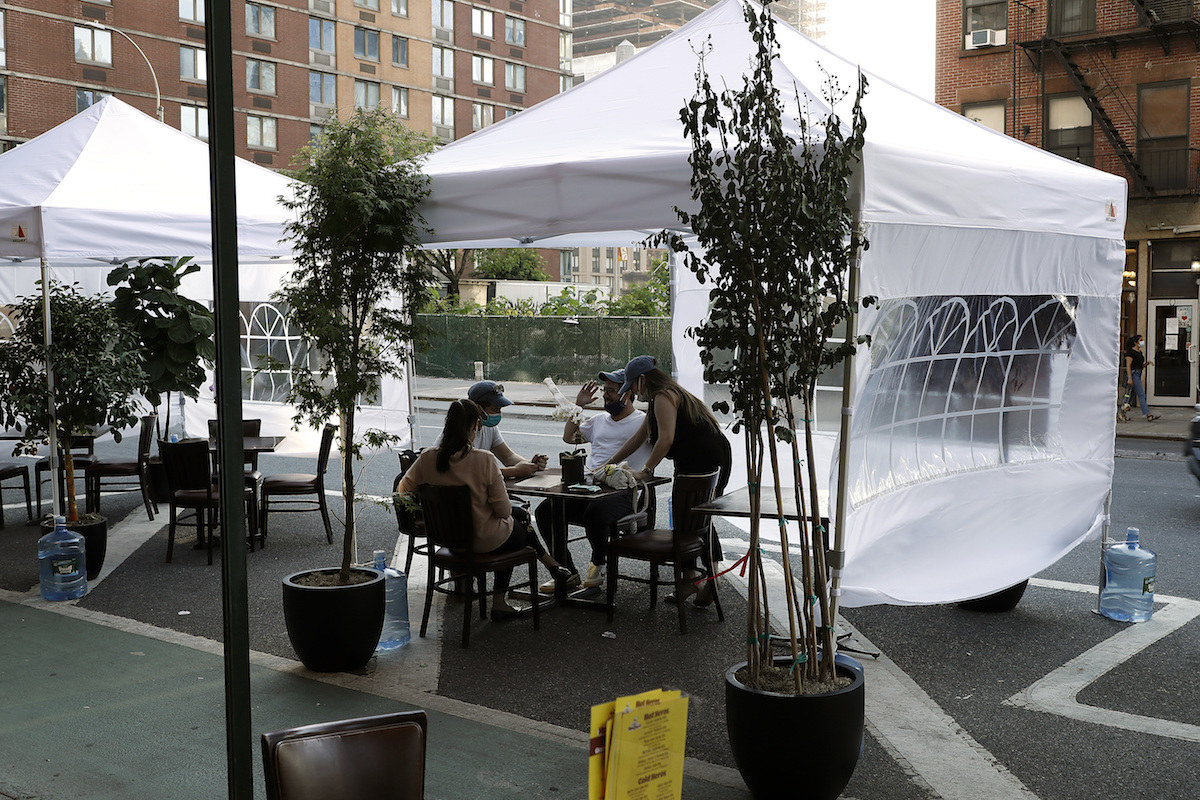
point(615, 408)
point(491, 421)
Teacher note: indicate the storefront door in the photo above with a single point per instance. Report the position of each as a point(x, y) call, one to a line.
point(1171, 381)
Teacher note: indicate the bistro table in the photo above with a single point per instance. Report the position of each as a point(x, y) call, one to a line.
point(252, 444)
point(737, 504)
point(548, 484)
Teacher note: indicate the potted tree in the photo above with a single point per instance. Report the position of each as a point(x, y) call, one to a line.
point(355, 280)
point(776, 225)
point(96, 365)
point(176, 335)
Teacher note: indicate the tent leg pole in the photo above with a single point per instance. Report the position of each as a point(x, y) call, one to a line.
point(55, 500)
point(1105, 524)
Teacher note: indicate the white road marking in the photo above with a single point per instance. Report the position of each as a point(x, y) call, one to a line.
point(1056, 693)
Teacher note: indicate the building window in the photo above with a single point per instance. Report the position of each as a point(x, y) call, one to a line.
point(443, 62)
point(192, 64)
point(260, 76)
point(1071, 16)
point(400, 101)
point(1069, 128)
point(86, 98)
point(1163, 134)
point(482, 115)
point(322, 89)
point(510, 112)
point(514, 77)
point(373, 5)
point(1171, 273)
point(443, 111)
point(564, 14)
point(366, 44)
point(481, 23)
point(481, 70)
point(320, 35)
point(3, 95)
point(3, 58)
point(400, 8)
point(443, 14)
point(990, 115)
point(193, 120)
point(366, 94)
point(981, 15)
point(514, 31)
point(93, 46)
point(260, 133)
point(191, 10)
point(565, 47)
point(400, 51)
point(260, 21)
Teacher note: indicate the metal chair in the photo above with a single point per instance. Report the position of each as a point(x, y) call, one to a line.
point(190, 477)
point(291, 485)
point(689, 539)
point(254, 478)
point(409, 523)
point(15, 469)
point(100, 468)
point(451, 532)
point(381, 758)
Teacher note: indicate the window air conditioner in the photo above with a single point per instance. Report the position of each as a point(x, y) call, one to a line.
point(322, 6)
point(443, 84)
point(443, 34)
point(985, 37)
point(321, 58)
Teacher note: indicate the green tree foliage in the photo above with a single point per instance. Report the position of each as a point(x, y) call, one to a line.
point(510, 264)
point(651, 299)
point(356, 275)
point(97, 367)
point(176, 332)
point(775, 213)
point(449, 265)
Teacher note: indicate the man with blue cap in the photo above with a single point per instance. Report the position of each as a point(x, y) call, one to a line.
point(489, 396)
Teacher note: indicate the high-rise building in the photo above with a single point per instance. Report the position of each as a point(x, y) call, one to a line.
point(1107, 83)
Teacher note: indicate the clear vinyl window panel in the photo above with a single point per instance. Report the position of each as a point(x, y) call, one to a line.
point(957, 384)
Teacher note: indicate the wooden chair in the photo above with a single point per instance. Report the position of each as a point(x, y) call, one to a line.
point(83, 450)
point(410, 524)
point(101, 468)
point(254, 478)
point(294, 485)
point(381, 758)
point(8, 471)
point(451, 533)
point(190, 477)
point(689, 539)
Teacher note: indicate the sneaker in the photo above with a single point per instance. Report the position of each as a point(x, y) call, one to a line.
point(594, 577)
point(571, 582)
point(1152, 417)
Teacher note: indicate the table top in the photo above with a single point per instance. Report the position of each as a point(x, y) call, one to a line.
point(253, 444)
point(548, 483)
point(737, 504)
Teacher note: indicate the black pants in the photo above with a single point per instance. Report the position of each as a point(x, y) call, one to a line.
point(522, 535)
point(596, 516)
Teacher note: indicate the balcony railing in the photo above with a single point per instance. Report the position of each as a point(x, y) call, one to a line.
point(1170, 172)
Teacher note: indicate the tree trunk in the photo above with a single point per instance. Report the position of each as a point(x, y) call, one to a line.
point(347, 436)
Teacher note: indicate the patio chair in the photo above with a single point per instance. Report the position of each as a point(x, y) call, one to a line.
point(101, 468)
point(254, 478)
point(689, 539)
point(409, 523)
point(380, 758)
point(190, 478)
point(8, 471)
point(292, 486)
point(451, 532)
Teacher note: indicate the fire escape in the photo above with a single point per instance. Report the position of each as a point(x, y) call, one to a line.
point(1082, 55)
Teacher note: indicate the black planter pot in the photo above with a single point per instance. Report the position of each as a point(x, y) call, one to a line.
point(1003, 600)
point(95, 541)
point(334, 628)
point(788, 746)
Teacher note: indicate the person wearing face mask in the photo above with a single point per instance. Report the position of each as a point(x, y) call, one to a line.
point(606, 432)
point(680, 427)
point(1135, 362)
point(499, 527)
point(489, 396)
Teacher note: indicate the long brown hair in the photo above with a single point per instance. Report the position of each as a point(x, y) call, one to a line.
point(457, 432)
point(692, 407)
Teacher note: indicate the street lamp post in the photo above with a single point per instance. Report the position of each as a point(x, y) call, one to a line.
point(157, 94)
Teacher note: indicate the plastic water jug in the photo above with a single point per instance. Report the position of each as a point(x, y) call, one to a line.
point(396, 631)
point(62, 565)
point(1127, 593)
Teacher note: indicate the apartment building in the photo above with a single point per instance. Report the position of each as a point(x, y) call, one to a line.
point(448, 67)
point(1107, 83)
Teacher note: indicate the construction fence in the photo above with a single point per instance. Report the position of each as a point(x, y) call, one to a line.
point(567, 349)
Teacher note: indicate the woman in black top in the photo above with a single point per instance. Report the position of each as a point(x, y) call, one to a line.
point(1135, 362)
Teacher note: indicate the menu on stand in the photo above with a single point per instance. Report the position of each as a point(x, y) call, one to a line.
point(635, 749)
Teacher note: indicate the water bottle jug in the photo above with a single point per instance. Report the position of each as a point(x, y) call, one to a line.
point(1127, 592)
point(62, 565)
point(395, 616)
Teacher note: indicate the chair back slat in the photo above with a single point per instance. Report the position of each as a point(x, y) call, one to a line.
point(688, 492)
point(405, 519)
point(447, 513)
point(326, 447)
point(187, 464)
point(146, 437)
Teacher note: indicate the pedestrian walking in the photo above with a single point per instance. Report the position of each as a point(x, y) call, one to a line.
point(1135, 362)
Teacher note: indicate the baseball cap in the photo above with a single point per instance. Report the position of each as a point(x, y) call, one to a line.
point(636, 368)
point(617, 376)
point(488, 393)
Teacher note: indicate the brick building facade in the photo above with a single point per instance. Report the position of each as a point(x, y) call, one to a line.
point(1110, 83)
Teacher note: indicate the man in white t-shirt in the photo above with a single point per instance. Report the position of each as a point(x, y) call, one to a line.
point(489, 396)
point(606, 432)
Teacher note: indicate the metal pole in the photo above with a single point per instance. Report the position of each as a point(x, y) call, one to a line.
point(52, 457)
point(157, 93)
point(238, 737)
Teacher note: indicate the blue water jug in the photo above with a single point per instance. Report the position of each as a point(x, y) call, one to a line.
point(62, 566)
point(1127, 591)
point(396, 631)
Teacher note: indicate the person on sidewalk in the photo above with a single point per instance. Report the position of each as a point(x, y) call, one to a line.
point(606, 432)
point(679, 427)
point(499, 526)
point(489, 396)
point(1135, 362)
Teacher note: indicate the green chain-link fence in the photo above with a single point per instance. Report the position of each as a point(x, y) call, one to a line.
point(532, 348)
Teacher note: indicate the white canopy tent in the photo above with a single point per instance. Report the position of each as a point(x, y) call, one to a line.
point(113, 184)
point(981, 449)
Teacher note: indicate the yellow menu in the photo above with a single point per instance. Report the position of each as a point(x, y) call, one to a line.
point(636, 747)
